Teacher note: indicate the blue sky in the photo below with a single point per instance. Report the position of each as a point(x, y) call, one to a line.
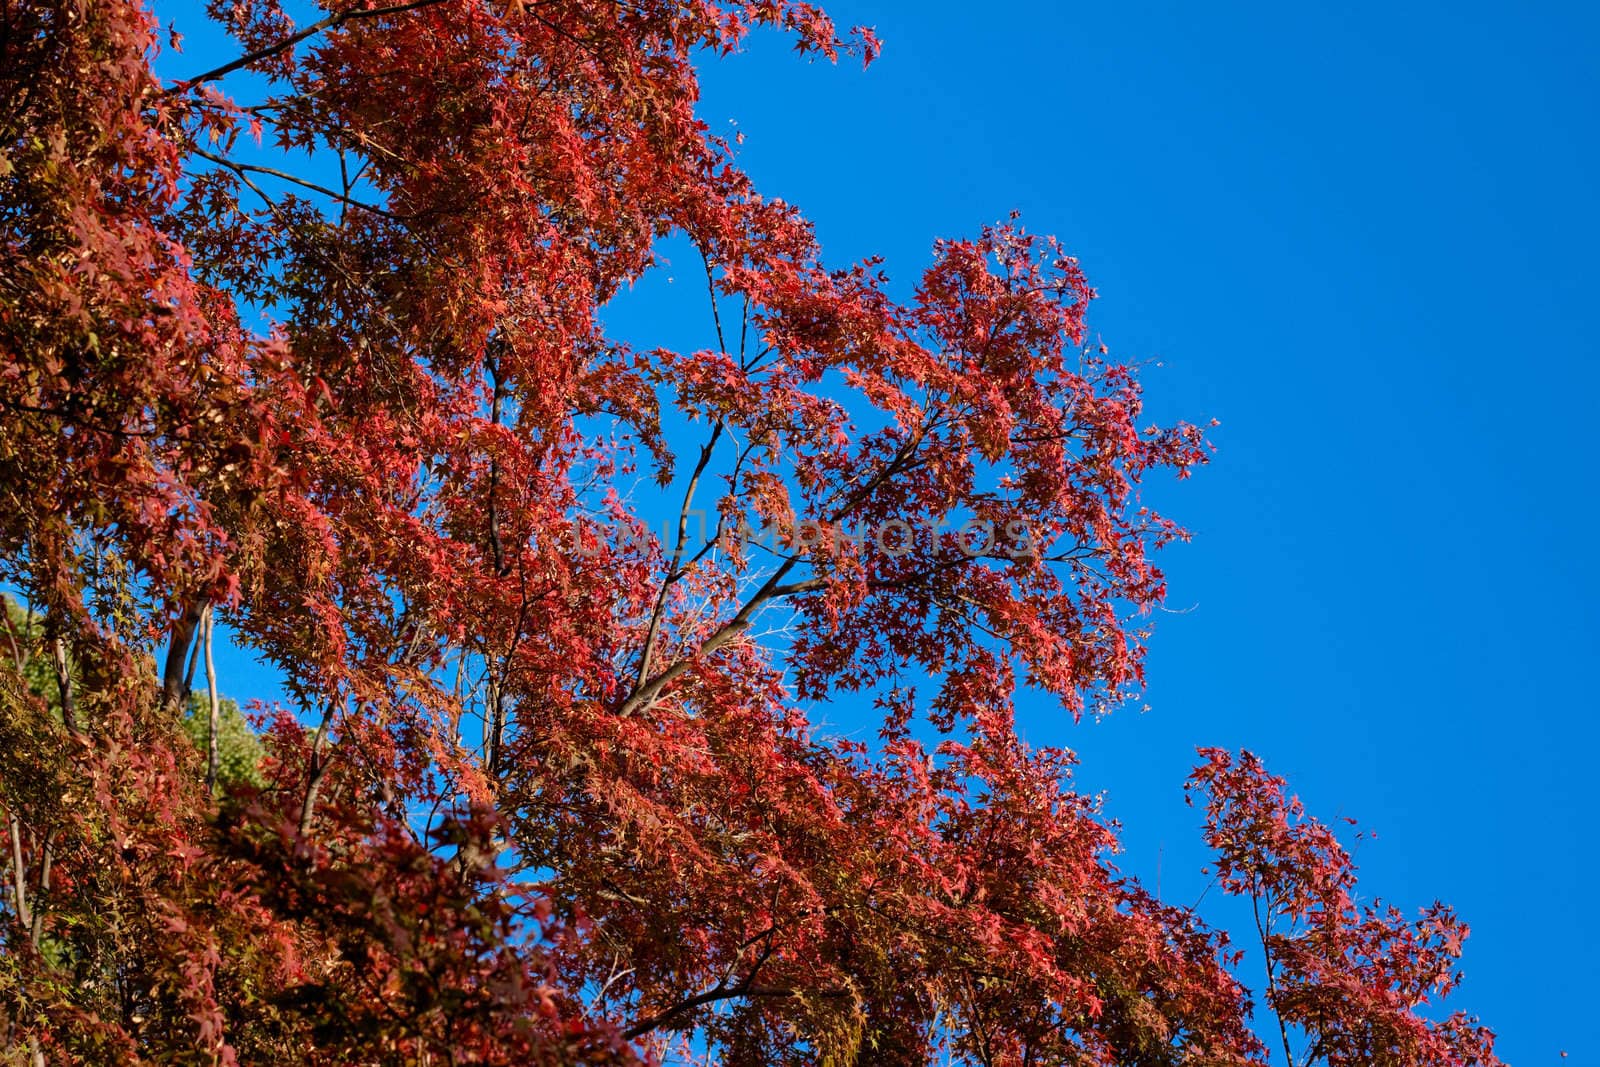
point(1361, 238)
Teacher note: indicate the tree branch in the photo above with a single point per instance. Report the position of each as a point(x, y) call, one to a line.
point(63, 671)
point(279, 47)
point(711, 996)
point(672, 574)
point(213, 742)
point(173, 689)
point(19, 874)
point(1263, 930)
point(319, 768)
point(646, 692)
point(729, 630)
point(283, 175)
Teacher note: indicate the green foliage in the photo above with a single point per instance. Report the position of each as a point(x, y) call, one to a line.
point(239, 749)
point(24, 634)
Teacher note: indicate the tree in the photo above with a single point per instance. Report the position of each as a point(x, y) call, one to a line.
point(541, 793)
point(1347, 979)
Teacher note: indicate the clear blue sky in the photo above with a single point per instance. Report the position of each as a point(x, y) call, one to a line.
point(1363, 238)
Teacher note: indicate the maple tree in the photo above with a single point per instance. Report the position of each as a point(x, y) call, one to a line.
point(541, 793)
point(1348, 979)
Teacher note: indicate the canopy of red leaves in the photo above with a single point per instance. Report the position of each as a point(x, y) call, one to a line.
point(543, 793)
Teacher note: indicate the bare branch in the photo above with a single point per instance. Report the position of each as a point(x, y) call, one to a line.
point(319, 768)
point(673, 574)
point(283, 175)
point(213, 746)
point(19, 874)
point(63, 672)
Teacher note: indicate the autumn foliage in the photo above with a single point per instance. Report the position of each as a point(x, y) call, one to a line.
point(548, 787)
